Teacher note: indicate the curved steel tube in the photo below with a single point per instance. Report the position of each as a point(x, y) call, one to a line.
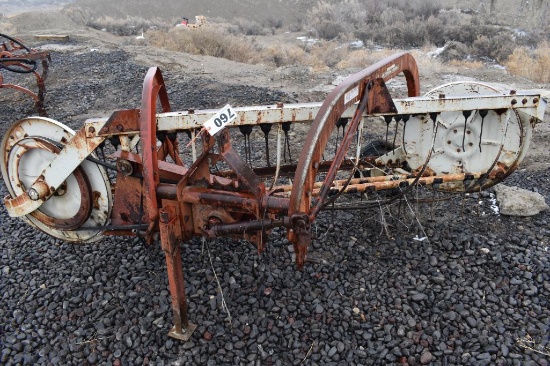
point(153, 88)
point(341, 98)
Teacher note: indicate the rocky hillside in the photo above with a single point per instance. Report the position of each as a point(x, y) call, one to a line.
point(10, 7)
point(523, 14)
point(287, 10)
point(518, 13)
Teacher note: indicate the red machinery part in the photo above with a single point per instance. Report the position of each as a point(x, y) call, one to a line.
point(366, 87)
point(18, 58)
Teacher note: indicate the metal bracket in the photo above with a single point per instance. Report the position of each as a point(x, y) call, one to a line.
point(301, 237)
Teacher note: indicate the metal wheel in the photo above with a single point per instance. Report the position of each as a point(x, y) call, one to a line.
point(82, 201)
point(467, 141)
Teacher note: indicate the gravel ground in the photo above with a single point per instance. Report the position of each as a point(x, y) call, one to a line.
point(371, 294)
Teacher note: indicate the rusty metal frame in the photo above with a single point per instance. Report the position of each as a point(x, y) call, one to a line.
point(153, 89)
point(15, 55)
point(366, 87)
point(345, 95)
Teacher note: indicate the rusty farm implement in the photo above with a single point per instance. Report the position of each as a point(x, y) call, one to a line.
point(17, 58)
point(175, 175)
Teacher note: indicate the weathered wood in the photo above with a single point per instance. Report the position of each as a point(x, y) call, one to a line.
point(53, 37)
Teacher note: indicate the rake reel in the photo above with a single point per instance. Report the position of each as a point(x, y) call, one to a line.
point(175, 180)
point(17, 58)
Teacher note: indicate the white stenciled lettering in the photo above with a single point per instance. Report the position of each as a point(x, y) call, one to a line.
point(350, 95)
point(389, 71)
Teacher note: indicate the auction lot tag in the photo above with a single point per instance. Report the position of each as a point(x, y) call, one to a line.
point(225, 116)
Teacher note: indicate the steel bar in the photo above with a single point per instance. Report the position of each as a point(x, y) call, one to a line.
point(306, 112)
point(360, 185)
point(170, 233)
point(49, 180)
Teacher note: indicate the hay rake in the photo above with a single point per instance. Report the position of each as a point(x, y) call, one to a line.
point(176, 178)
point(17, 58)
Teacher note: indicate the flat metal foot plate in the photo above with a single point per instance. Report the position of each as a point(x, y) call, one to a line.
point(185, 334)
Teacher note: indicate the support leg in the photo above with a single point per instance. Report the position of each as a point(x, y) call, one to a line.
point(170, 235)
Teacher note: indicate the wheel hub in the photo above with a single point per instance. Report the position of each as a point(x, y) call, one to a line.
point(70, 206)
point(80, 205)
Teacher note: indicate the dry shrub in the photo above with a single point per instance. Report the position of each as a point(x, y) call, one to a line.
point(328, 29)
point(435, 29)
point(320, 56)
point(207, 41)
point(284, 54)
point(274, 23)
point(427, 65)
point(7, 27)
point(129, 26)
point(391, 16)
point(326, 55)
point(425, 9)
point(454, 51)
point(414, 35)
point(364, 58)
point(77, 14)
point(248, 27)
point(497, 47)
point(331, 20)
point(532, 64)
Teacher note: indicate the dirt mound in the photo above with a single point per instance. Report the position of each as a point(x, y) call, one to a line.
point(39, 21)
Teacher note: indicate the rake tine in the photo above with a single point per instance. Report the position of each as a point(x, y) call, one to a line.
point(279, 129)
point(266, 127)
point(286, 128)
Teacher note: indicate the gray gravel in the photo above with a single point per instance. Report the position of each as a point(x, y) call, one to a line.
point(462, 297)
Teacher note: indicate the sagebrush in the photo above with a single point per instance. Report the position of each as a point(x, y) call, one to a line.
point(533, 64)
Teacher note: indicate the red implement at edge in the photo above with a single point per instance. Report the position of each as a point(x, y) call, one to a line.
point(17, 57)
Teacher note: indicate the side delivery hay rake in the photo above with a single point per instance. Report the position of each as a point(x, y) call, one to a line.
point(175, 180)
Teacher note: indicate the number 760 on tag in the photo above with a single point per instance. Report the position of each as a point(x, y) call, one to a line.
point(217, 122)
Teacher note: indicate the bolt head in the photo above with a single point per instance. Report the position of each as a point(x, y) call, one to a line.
point(33, 194)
